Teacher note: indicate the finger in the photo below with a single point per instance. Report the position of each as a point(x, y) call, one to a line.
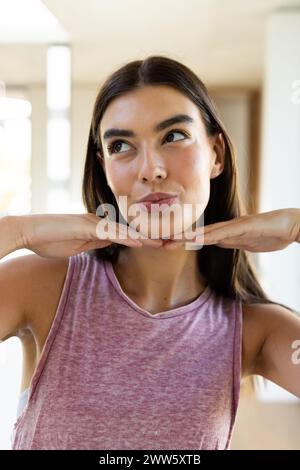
point(124, 235)
point(226, 223)
point(200, 233)
point(125, 232)
point(128, 242)
point(221, 234)
point(135, 235)
point(117, 233)
point(189, 236)
point(211, 238)
point(172, 245)
point(98, 244)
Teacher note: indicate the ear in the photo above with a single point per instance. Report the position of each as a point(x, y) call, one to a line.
point(102, 163)
point(101, 160)
point(218, 155)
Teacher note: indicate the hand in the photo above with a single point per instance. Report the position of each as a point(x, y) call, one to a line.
point(63, 235)
point(268, 231)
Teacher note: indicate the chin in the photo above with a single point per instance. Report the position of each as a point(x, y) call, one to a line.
point(163, 226)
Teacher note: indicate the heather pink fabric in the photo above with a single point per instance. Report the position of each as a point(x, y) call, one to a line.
point(114, 376)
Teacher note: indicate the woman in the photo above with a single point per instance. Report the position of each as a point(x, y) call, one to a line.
point(142, 344)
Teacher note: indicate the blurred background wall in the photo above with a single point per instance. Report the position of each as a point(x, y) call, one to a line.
point(54, 56)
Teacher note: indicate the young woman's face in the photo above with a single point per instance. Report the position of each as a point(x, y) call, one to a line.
point(178, 159)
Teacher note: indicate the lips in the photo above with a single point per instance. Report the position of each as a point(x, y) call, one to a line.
point(155, 206)
point(156, 197)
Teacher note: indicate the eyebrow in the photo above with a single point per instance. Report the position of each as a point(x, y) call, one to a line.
point(114, 132)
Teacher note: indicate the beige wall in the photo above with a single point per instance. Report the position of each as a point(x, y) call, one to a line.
point(266, 425)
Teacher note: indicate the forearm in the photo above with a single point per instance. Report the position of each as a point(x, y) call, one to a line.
point(10, 236)
point(298, 236)
point(294, 223)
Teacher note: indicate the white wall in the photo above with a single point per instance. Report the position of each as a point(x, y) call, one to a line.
point(83, 97)
point(281, 149)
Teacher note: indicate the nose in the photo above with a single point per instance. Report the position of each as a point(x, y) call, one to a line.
point(151, 167)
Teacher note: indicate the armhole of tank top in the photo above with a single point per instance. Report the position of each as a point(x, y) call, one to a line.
point(236, 365)
point(237, 354)
point(73, 267)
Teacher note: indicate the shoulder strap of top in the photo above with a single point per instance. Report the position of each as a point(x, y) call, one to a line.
point(73, 266)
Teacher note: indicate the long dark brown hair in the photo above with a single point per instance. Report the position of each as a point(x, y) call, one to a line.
point(229, 272)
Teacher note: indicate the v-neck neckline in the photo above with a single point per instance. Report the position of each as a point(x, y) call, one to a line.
point(194, 304)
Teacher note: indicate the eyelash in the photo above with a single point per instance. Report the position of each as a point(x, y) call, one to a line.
point(110, 147)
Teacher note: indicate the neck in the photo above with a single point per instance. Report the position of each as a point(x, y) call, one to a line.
point(159, 279)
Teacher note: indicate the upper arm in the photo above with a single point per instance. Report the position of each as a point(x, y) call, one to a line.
point(14, 285)
point(30, 287)
point(279, 356)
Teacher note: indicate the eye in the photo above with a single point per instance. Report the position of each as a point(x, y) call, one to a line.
point(112, 147)
point(175, 131)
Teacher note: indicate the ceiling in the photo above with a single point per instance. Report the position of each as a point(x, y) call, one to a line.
point(221, 40)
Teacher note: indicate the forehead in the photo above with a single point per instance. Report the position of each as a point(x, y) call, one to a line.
point(147, 106)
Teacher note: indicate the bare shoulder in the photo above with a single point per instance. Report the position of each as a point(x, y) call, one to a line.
point(30, 288)
point(275, 355)
point(260, 321)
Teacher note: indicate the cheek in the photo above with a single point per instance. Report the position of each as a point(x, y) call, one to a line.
point(193, 174)
point(119, 178)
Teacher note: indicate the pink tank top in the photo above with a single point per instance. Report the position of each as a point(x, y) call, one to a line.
point(114, 376)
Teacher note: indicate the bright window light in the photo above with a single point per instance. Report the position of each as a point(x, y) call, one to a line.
point(58, 105)
point(58, 200)
point(58, 77)
point(58, 149)
point(273, 393)
point(15, 160)
point(13, 108)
